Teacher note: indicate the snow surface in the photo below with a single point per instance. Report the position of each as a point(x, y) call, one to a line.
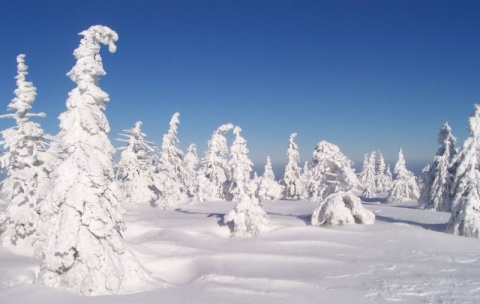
point(404, 257)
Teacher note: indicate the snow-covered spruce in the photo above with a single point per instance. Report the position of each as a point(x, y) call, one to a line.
point(25, 162)
point(85, 251)
point(383, 176)
point(248, 217)
point(170, 167)
point(240, 168)
point(435, 192)
point(342, 208)
point(268, 189)
point(368, 175)
point(191, 163)
point(330, 171)
point(465, 207)
point(405, 186)
point(214, 170)
point(292, 181)
point(135, 170)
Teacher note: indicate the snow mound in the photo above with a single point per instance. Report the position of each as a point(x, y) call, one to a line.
point(342, 208)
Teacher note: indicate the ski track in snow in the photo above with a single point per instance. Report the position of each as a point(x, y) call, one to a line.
point(404, 257)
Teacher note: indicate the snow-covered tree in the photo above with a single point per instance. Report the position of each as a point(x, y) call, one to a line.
point(25, 163)
point(465, 206)
point(331, 171)
point(191, 163)
point(214, 170)
point(267, 187)
point(248, 217)
point(383, 176)
point(292, 178)
point(170, 166)
point(368, 175)
point(85, 251)
point(240, 168)
point(342, 208)
point(135, 170)
point(405, 185)
point(435, 192)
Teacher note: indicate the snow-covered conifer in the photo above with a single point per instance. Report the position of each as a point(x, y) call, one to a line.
point(405, 185)
point(171, 167)
point(191, 163)
point(383, 176)
point(331, 171)
point(267, 187)
point(85, 251)
point(465, 206)
point(367, 176)
point(248, 217)
point(342, 208)
point(135, 170)
point(240, 167)
point(437, 186)
point(292, 182)
point(214, 170)
point(25, 161)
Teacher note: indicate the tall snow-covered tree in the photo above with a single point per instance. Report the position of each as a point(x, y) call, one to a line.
point(292, 182)
point(135, 170)
point(214, 170)
point(435, 192)
point(191, 163)
point(383, 176)
point(267, 187)
point(26, 164)
point(171, 170)
point(240, 168)
point(367, 176)
point(405, 185)
point(85, 251)
point(331, 171)
point(465, 206)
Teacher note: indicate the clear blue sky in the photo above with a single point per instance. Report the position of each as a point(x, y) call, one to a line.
point(365, 75)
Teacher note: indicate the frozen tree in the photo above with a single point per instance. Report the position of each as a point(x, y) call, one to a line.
point(214, 170)
point(135, 170)
point(331, 171)
point(383, 176)
point(437, 185)
point(240, 167)
point(267, 187)
point(248, 217)
point(292, 178)
point(191, 163)
point(85, 251)
point(170, 166)
point(342, 208)
point(367, 176)
point(25, 161)
point(465, 207)
point(405, 185)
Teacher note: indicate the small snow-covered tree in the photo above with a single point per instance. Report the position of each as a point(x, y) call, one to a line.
point(465, 206)
point(267, 187)
point(383, 176)
point(191, 163)
point(85, 251)
point(214, 170)
point(292, 178)
point(435, 192)
point(25, 161)
point(248, 217)
point(240, 168)
point(367, 176)
point(170, 166)
point(331, 171)
point(135, 170)
point(342, 208)
point(405, 185)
